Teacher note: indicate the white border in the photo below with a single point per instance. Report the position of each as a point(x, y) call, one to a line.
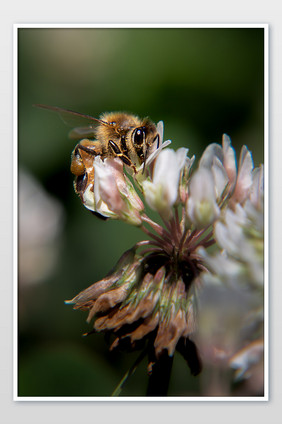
point(15, 213)
point(266, 213)
point(129, 25)
point(15, 219)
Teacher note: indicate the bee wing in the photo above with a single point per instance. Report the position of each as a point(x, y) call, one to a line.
point(84, 125)
point(82, 132)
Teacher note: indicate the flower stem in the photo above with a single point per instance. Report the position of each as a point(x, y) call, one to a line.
point(153, 224)
point(203, 242)
point(142, 243)
point(177, 223)
point(156, 227)
point(152, 249)
point(129, 373)
point(158, 241)
point(160, 376)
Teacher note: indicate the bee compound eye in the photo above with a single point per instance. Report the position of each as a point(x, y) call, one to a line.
point(139, 135)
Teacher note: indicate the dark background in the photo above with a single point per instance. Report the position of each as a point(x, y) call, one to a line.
point(201, 83)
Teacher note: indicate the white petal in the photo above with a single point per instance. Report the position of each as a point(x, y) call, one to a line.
point(257, 189)
point(244, 179)
point(224, 240)
point(213, 150)
point(154, 154)
point(220, 176)
point(162, 192)
point(202, 208)
point(160, 131)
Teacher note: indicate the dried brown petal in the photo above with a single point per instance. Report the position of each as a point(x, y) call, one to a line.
point(148, 325)
point(128, 314)
point(169, 333)
point(108, 300)
point(85, 299)
point(145, 328)
point(190, 319)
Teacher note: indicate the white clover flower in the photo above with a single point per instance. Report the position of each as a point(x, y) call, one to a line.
point(240, 234)
point(41, 222)
point(222, 162)
point(230, 233)
point(162, 192)
point(202, 208)
point(175, 292)
point(114, 195)
point(236, 341)
point(106, 193)
point(223, 267)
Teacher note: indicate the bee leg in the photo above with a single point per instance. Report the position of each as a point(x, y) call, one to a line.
point(158, 142)
point(87, 150)
point(117, 152)
point(114, 147)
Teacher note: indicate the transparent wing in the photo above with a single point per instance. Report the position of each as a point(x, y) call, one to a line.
point(83, 125)
point(82, 132)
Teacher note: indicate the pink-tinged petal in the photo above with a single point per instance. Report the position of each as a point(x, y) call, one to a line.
point(229, 159)
point(244, 179)
point(114, 194)
point(105, 183)
point(215, 154)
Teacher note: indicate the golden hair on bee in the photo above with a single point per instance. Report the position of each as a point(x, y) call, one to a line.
point(114, 134)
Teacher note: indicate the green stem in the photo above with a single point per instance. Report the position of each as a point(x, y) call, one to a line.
point(129, 373)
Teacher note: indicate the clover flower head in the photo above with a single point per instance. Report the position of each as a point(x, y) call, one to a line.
point(169, 292)
point(236, 270)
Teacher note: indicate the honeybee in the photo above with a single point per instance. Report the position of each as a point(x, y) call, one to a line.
point(114, 134)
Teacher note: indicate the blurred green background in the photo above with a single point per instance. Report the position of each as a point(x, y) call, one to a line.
point(201, 83)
